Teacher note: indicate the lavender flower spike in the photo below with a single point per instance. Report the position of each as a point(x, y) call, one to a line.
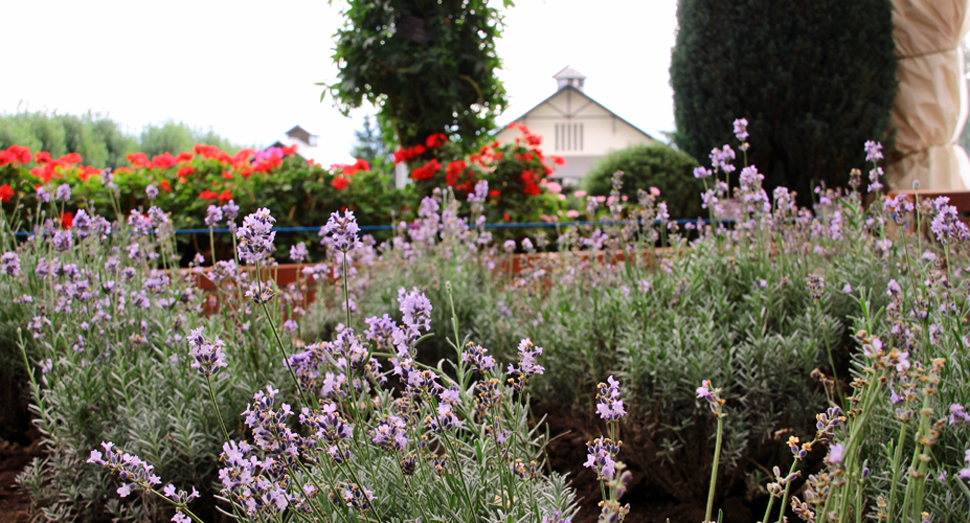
point(128, 467)
point(256, 236)
point(610, 406)
point(213, 216)
point(344, 230)
point(209, 357)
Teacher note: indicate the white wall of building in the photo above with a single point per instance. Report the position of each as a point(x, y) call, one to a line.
point(572, 125)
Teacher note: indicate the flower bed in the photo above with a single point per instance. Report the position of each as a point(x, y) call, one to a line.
point(788, 315)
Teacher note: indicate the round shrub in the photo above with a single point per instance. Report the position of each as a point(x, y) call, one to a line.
point(646, 166)
point(815, 80)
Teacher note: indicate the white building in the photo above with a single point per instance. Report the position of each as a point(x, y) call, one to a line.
point(576, 127)
point(307, 147)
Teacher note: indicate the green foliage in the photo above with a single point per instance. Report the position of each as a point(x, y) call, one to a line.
point(99, 139)
point(646, 166)
point(173, 138)
point(429, 67)
point(814, 80)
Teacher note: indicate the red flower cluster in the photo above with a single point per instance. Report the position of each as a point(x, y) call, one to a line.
point(14, 154)
point(432, 142)
point(341, 180)
point(531, 187)
point(6, 191)
point(459, 176)
point(47, 167)
point(426, 171)
point(406, 155)
point(436, 140)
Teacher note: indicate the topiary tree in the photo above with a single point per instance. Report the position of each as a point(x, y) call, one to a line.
point(429, 67)
point(646, 166)
point(815, 80)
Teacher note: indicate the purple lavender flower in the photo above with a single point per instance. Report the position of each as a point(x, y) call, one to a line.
point(63, 240)
point(527, 365)
point(712, 396)
point(152, 192)
point(256, 237)
point(298, 252)
point(416, 308)
point(477, 357)
point(391, 434)
point(835, 454)
point(815, 286)
point(741, 129)
point(874, 175)
point(701, 172)
point(43, 196)
point(873, 151)
point(509, 246)
point(601, 454)
point(260, 293)
point(326, 424)
point(209, 357)
point(958, 414)
point(344, 231)
point(82, 224)
point(213, 216)
point(557, 517)
point(63, 192)
point(946, 223)
point(610, 406)
point(130, 468)
point(352, 495)
point(230, 210)
point(10, 264)
point(480, 193)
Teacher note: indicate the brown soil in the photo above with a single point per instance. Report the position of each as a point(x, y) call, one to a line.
point(569, 432)
point(14, 503)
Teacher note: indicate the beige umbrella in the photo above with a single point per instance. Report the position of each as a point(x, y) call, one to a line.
point(931, 106)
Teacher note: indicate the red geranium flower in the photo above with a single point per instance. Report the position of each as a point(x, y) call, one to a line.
point(227, 175)
point(163, 161)
point(164, 185)
point(454, 169)
point(67, 220)
point(435, 140)
point(185, 171)
point(494, 193)
point(340, 183)
point(225, 196)
point(426, 171)
point(6, 191)
point(70, 159)
point(208, 195)
point(138, 160)
point(183, 157)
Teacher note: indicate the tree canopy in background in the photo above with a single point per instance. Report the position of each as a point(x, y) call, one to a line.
point(815, 80)
point(99, 139)
point(428, 66)
point(370, 145)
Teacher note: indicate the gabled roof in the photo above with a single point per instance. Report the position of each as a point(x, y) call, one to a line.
point(584, 95)
point(568, 73)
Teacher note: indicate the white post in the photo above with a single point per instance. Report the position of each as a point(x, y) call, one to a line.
point(400, 175)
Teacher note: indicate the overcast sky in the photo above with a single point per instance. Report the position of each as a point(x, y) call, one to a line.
point(247, 69)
